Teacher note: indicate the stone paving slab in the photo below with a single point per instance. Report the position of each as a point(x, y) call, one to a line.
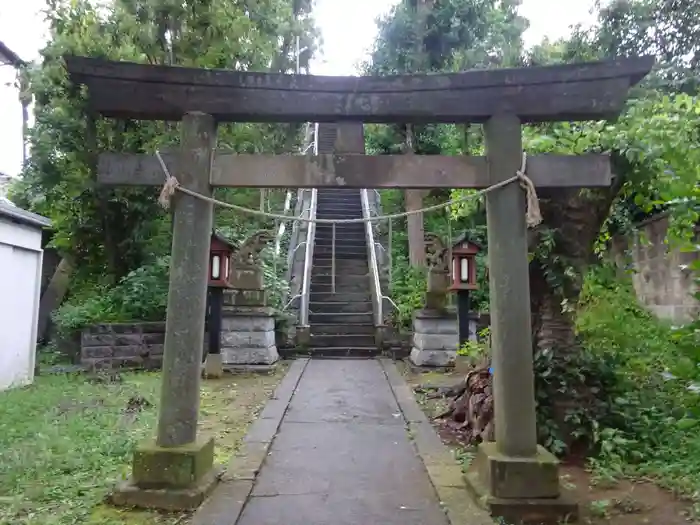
point(342, 456)
point(352, 447)
point(344, 391)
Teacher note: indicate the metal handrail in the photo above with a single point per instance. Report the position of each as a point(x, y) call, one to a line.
point(373, 265)
point(283, 225)
point(308, 259)
point(309, 251)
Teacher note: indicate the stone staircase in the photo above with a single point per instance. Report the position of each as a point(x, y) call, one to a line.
point(342, 322)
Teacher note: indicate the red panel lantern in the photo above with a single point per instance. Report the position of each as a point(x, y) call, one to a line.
point(220, 251)
point(464, 264)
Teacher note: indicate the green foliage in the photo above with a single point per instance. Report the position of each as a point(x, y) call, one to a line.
point(456, 34)
point(408, 289)
point(479, 349)
point(408, 284)
point(666, 29)
point(650, 424)
point(109, 233)
point(139, 296)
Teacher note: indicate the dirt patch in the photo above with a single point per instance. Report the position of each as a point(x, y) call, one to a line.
point(625, 503)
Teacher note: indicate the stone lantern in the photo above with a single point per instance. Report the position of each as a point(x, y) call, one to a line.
point(463, 280)
point(220, 252)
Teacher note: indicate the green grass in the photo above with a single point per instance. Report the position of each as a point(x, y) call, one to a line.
point(64, 442)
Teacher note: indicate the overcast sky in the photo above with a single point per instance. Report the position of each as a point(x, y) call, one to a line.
point(348, 32)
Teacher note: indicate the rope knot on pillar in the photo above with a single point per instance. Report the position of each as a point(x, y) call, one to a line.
point(170, 186)
point(533, 215)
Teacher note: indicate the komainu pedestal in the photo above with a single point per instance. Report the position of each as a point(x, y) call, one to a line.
point(248, 324)
point(435, 328)
point(248, 331)
point(435, 338)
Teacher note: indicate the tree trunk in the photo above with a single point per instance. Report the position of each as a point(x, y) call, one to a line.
point(555, 284)
point(576, 218)
point(416, 232)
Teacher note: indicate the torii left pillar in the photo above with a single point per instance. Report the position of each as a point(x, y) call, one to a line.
point(177, 471)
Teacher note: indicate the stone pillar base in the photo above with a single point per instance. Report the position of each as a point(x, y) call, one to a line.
point(435, 339)
point(172, 478)
point(303, 336)
point(213, 367)
point(380, 336)
point(520, 490)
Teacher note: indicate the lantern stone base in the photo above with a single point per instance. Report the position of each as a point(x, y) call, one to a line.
point(435, 338)
point(248, 337)
point(169, 478)
point(213, 366)
point(520, 490)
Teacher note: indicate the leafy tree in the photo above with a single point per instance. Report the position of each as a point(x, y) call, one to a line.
point(110, 232)
point(422, 36)
point(652, 147)
point(666, 29)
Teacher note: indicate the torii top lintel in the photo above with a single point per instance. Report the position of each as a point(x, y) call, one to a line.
point(585, 91)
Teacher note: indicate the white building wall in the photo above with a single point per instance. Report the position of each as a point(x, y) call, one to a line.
point(20, 285)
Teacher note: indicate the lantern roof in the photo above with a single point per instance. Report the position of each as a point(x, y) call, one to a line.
point(465, 238)
point(223, 240)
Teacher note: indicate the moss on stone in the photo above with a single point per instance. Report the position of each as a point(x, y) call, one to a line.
point(176, 467)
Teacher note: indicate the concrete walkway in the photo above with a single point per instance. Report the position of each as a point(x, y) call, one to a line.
point(333, 448)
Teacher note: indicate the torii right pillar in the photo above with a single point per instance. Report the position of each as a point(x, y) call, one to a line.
point(514, 477)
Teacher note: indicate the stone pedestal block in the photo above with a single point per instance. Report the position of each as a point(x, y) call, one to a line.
point(213, 366)
point(248, 336)
point(520, 490)
point(169, 478)
point(510, 477)
point(435, 338)
point(246, 278)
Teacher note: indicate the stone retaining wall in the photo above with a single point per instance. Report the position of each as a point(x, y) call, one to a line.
point(123, 345)
point(662, 278)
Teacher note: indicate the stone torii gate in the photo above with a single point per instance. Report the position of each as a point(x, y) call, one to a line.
point(177, 470)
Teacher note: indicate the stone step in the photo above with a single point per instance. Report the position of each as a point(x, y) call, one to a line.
point(354, 297)
point(333, 306)
point(340, 216)
point(357, 242)
point(369, 352)
point(340, 289)
point(348, 210)
point(354, 200)
point(364, 352)
point(327, 236)
point(325, 257)
point(344, 266)
point(339, 204)
point(341, 317)
point(338, 191)
point(341, 278)
point(345, 340)
point(342, 329)
point(340, 229)
point(327, 251)
point(340, 247)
